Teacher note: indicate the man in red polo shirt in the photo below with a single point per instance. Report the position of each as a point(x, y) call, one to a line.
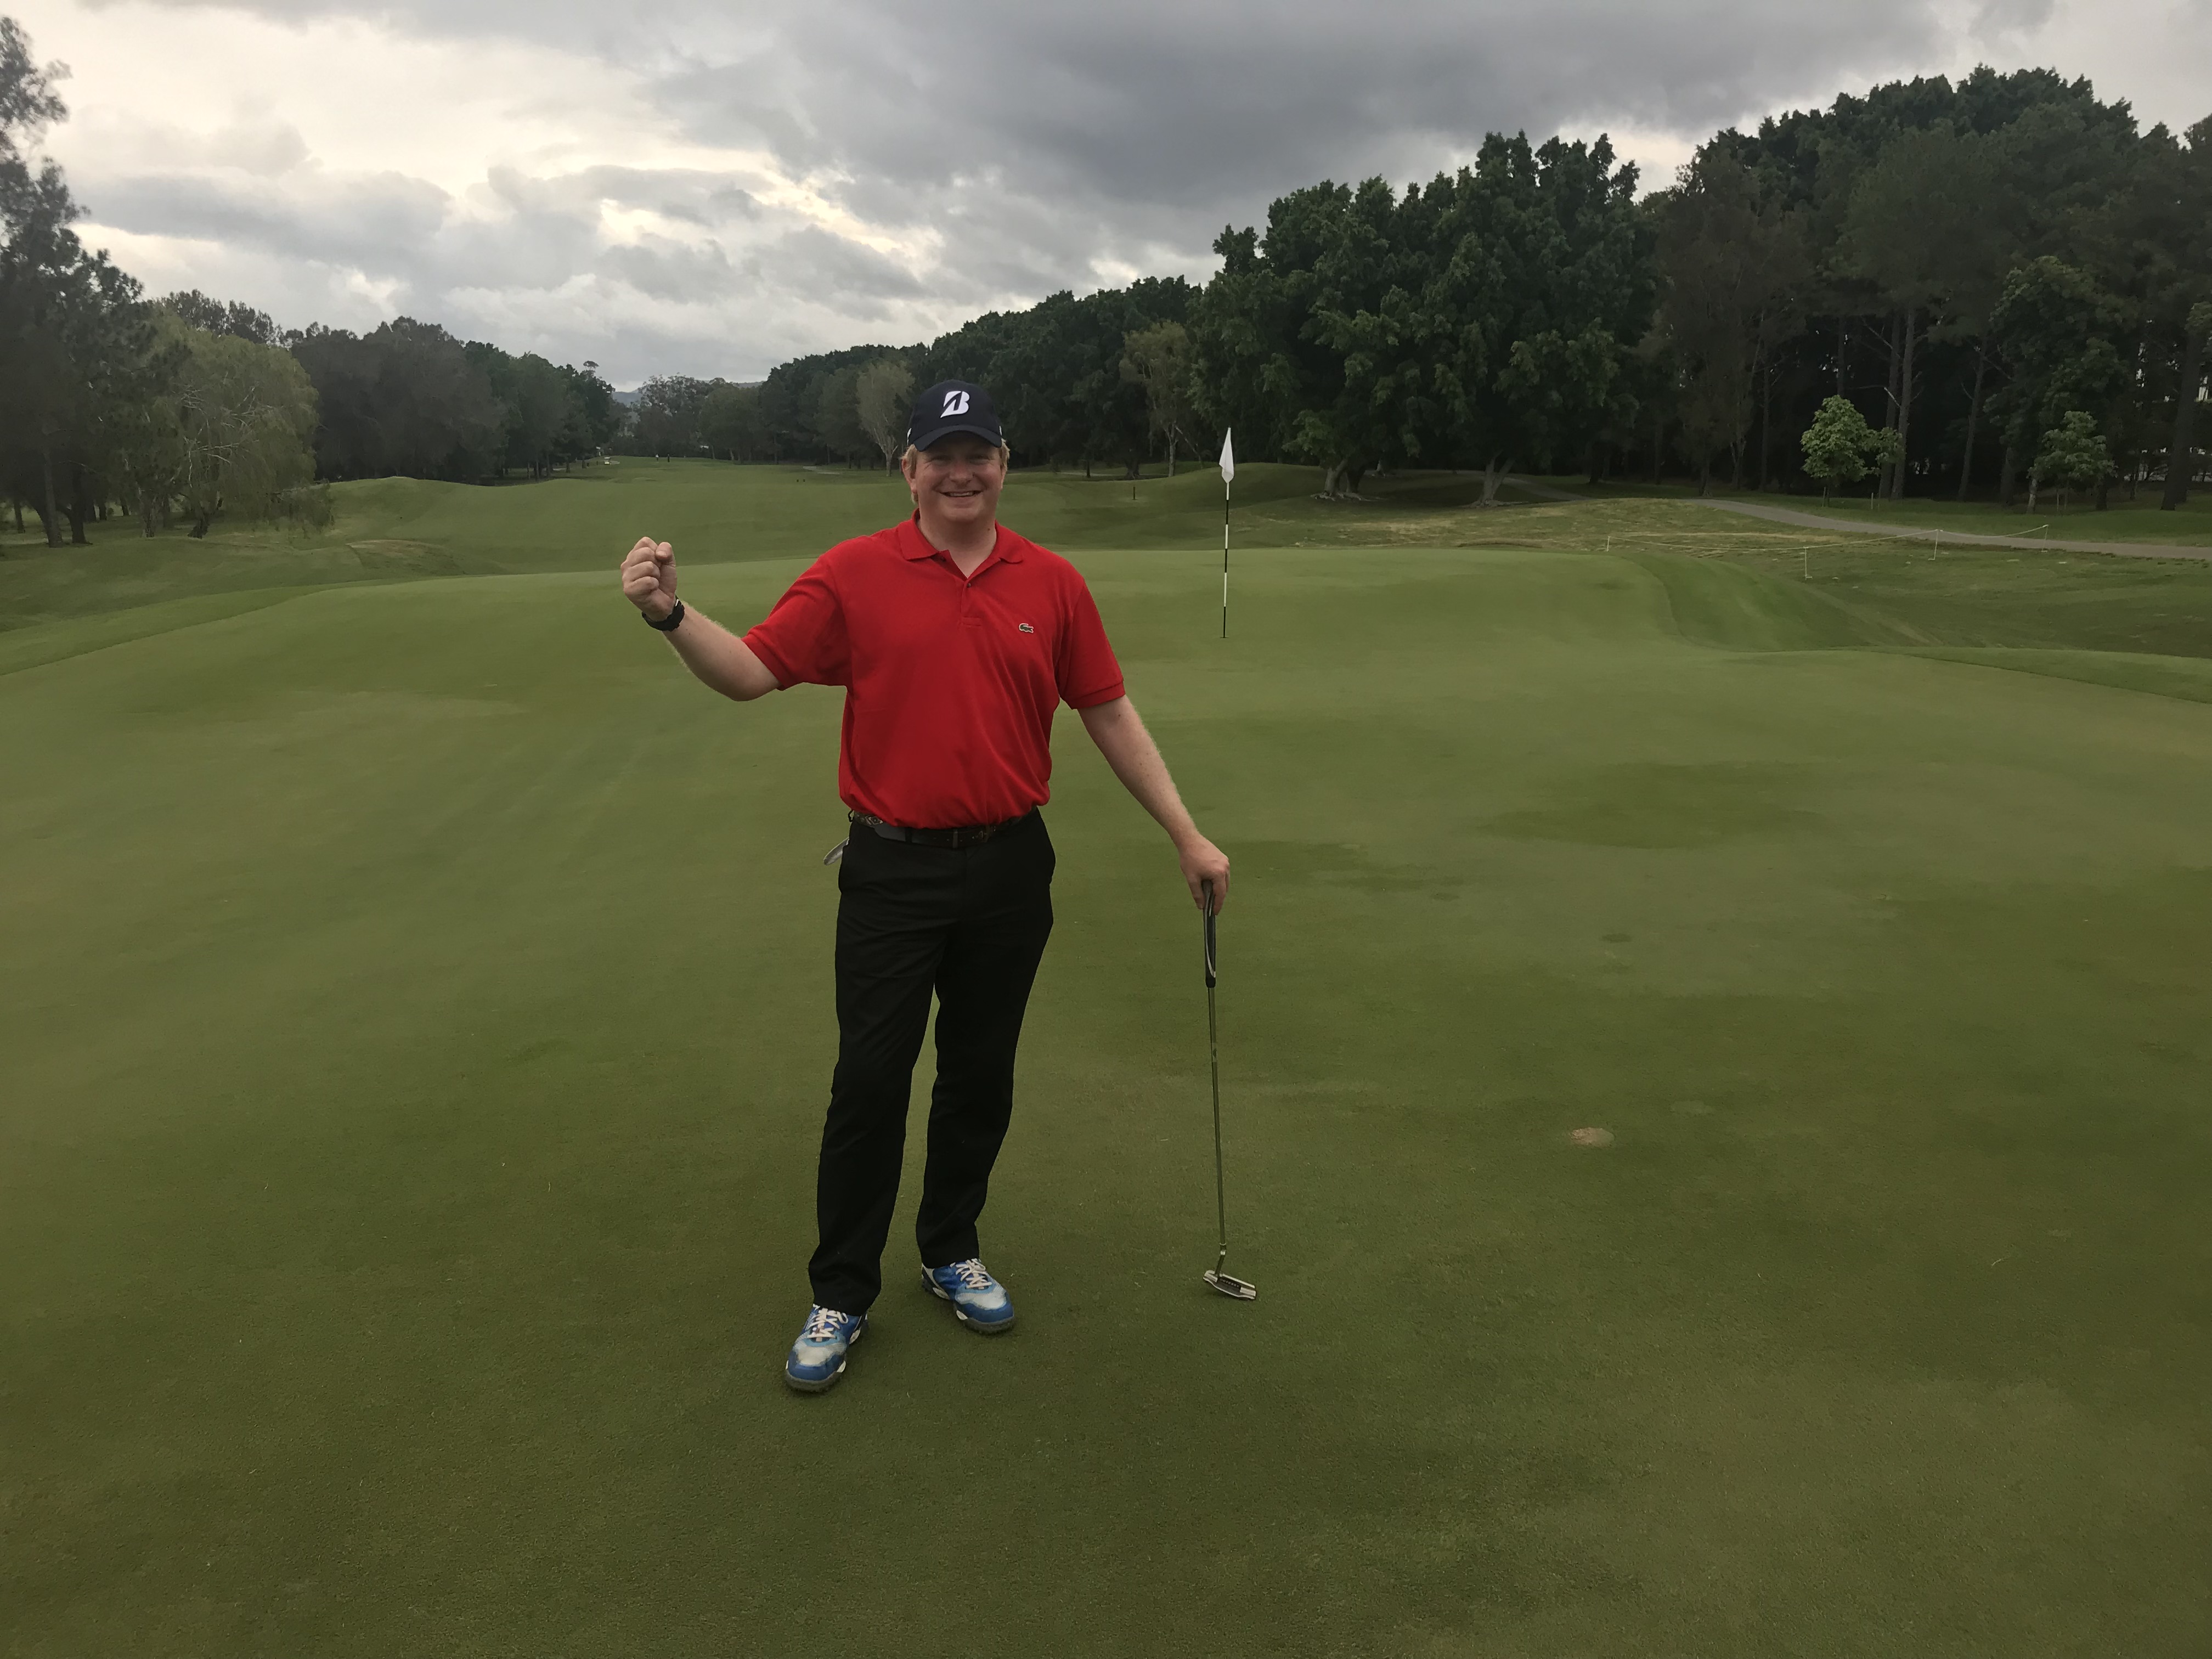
point(954, 640)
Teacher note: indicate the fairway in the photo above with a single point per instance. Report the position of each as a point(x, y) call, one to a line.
point(419, 1028)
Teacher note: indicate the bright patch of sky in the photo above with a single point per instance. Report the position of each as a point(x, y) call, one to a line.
point(719, 187)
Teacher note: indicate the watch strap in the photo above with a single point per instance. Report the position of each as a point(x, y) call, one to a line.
point(669, 624)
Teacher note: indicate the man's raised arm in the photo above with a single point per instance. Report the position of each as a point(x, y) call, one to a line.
point(716, 656)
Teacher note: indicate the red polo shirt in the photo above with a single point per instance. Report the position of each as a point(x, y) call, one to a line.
point(950, 681)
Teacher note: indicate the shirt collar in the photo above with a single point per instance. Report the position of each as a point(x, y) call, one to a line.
point(913, 544)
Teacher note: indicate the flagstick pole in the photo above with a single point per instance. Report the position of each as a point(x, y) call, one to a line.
point(1225, 558)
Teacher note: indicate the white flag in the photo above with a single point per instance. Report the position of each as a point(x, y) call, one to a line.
point(1228, 460)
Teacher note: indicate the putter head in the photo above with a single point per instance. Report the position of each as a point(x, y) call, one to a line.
point(1230, 1285)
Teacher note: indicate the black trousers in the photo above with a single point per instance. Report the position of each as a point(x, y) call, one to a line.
point(969, 924)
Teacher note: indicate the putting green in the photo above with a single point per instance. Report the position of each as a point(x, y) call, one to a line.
point(418, 1028)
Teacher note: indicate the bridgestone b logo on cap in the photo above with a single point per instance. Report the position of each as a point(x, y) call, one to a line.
point(956, 402)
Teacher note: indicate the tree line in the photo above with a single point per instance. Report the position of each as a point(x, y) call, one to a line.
point(2004, 281)
point(2004, 277)
point(1100, 380)
point(187, 408)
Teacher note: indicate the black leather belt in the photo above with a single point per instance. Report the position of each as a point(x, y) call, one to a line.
point(967, 835)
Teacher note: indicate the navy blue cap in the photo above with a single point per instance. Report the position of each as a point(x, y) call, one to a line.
point(952, 406)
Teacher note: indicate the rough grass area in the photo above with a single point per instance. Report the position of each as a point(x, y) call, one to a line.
point(2124, 520)
point(1871, 590)
point(419, 1026)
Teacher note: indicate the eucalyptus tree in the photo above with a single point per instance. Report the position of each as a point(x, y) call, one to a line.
point(730, 420)
point(214, 316)
point(666, 418)
point(1115, 413)
point(1933, 227)
point(594, 417)
point(1157, 359)
point(2172, 249)
point(2180, 451)
point(1237, 322)
point(837, 412)
point(883, 394)
point(1363, 391)
point(1555, 232)
point(28, 102)
point(539, 417)
point(246, 415)
point(150, 450)
point(792, 406)
point(405, 399)
point(1733, 266)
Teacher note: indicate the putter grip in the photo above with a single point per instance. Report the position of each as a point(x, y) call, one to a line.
point(1206, 887)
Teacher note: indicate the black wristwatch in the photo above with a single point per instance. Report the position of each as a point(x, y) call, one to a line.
point(669, 624)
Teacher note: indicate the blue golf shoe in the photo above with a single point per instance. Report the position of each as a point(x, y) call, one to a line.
point(978, 1300)
point(818, 1359)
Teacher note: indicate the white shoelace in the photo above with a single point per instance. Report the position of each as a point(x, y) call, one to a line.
point(821, 1325)
point(972, 1276)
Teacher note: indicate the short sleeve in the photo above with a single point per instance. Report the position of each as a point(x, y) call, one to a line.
point(1088, 673)
point(804, 640)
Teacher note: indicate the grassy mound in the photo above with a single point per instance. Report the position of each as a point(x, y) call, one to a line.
point(1747, 608)
point(2189, 678)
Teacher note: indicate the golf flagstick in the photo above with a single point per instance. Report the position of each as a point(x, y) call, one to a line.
point(1226, 1283)
point(1228, 472)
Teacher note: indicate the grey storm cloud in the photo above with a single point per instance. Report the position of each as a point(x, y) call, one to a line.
point(355, 221)
point(1024, 149)
point(706, 199)
point(1203, 108)
point(1156, 100)
point(835, 268)
point(662, 270)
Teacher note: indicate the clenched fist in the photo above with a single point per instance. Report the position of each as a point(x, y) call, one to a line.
point(648, 578)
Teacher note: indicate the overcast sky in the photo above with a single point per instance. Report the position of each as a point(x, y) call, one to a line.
point(714, 188)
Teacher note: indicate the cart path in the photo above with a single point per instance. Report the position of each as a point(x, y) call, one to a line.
point(1917, 532)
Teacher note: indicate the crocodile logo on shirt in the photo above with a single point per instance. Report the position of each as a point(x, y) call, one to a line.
point(1025, 628)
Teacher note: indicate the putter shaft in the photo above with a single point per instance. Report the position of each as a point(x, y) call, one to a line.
point(1220, 1185)
point(1221, 1280)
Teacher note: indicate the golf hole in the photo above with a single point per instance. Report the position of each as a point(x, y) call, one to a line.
point(1591, 1137)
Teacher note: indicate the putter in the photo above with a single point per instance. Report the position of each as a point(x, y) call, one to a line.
point(1228, 1284)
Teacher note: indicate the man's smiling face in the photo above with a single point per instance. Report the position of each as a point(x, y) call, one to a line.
point(955, 483)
